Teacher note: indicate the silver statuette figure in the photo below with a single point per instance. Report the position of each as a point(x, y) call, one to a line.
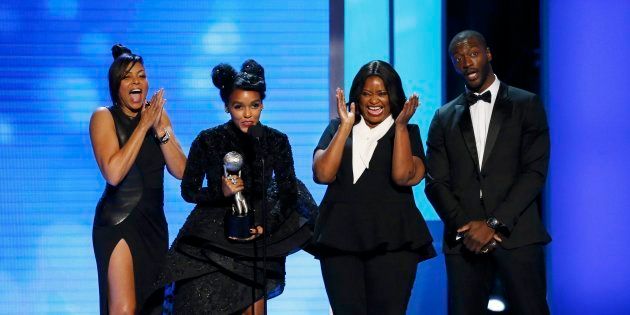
point(239, 222)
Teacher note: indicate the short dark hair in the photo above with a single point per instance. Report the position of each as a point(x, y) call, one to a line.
point(251, 78)
point(463, 35)
point(124, 60)
point(390, 78)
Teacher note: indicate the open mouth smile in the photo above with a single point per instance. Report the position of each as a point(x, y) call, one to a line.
point(136, 95)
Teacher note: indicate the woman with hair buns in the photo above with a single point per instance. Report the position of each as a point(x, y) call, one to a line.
point(132, 141)
point(214, 274)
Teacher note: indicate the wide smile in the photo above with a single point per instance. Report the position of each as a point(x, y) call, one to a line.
point(374, 110)
point(136, 95)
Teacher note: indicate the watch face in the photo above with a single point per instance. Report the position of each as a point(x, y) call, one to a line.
point(493, 222)
point(165, 137)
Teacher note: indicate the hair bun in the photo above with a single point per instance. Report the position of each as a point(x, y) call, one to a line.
point(251, 78)
point(250, 66)
point(223, 76)
point(119, 49)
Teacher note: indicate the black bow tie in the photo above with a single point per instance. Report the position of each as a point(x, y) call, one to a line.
point(472, 98)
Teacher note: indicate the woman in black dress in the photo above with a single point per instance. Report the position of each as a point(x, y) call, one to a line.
point(369, 233)
point(212, 273)
point(132, 141)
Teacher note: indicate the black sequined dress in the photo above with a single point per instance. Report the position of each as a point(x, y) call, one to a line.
point(212, 274)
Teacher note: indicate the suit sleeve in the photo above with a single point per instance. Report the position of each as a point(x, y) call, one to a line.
point(534, 161)
point(438, 179)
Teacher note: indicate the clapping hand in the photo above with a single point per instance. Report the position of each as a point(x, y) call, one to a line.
point(408, 110)
point(158, 100)
point(152, 111)
point(347, 117)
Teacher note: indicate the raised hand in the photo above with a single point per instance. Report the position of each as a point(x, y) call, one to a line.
point(408, 110)
point(347, 117)
point(152, 112)
point(158, 100)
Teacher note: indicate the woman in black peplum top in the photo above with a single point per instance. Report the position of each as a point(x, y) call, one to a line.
point(369, 233)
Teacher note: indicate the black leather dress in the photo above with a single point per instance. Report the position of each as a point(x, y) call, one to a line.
point(133, 211)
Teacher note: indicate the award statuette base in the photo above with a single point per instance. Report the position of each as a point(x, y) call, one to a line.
point(238, 227)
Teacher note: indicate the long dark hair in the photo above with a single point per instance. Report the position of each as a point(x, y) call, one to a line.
point(390, 78)
point(124, 60)
point(251, 78)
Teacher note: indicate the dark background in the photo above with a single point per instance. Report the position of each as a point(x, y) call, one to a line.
point(512, 31)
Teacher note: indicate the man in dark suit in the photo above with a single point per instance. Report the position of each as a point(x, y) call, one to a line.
point(487, 158)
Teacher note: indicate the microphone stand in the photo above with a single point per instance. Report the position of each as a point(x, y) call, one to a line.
point(256, 132)
point(264, 218)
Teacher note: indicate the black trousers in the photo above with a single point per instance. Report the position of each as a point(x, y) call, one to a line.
point(369, 284)
point(521, 270)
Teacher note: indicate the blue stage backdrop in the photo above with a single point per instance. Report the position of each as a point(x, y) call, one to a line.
point(54, 57)
point(588, 205)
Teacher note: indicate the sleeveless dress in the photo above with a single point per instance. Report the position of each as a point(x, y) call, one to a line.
point(214, 275)
point(133, 211)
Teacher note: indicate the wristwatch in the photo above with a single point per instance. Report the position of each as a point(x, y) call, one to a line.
point(493, 223)
point(163, 139)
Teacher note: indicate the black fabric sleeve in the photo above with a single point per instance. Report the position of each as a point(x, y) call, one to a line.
point(534, 163)
point(199, 167)
point(416, 142)
point(327, 136)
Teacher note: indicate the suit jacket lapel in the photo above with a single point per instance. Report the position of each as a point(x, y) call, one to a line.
point(466, 127)
point(501, 111)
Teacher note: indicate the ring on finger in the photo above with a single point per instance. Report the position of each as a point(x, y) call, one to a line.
point(233, 180)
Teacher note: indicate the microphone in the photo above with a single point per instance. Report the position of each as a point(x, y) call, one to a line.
point(255, 131)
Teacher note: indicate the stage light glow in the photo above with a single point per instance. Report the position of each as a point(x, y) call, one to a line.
point(94, 45)
point(221, 38)
point(496, 304)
